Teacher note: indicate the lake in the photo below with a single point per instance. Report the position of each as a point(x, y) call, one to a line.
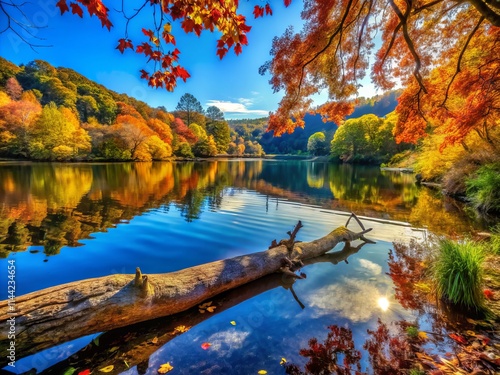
point(66, 222)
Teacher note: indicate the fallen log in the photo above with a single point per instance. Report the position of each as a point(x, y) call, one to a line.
point(62, 313)
point(130, 346)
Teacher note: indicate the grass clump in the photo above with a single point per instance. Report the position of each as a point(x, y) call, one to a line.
point(483, 188)
point(457, 272)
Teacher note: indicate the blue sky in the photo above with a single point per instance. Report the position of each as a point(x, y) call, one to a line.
point(232, 84)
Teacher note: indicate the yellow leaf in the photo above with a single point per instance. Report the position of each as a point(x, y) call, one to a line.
point(262, 372)
point(107, 368)
point(167, 27)
point(201, 311)
point(211, 308)
point(182, 328)
point(232, 322)
point(114, 349)
point(470, 333)
point(422, 335)
point(205, 305)
point(283, 361)
point(155, 340)
point(166, 367)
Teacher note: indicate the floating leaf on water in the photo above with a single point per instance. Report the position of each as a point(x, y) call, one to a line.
point(470, 333)
point(283, 361)
point(422, 335)
point(126, 364)
point(166, 367)
point(211, 308)
point(205, 305)
point(232, 322)
point(262, 372)
point(114, 349)
point(69, 371)
point(107, 368)
point(84, 372)
point(488, 294)
point(182, 328)
point(96, 341)
point(155, 341)
point(206, 345)
point(201, 311)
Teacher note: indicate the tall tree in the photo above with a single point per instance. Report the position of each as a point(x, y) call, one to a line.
point(215, 114)
point(316, 144)
point(13, 88)
point(221, 133)
point(187, 107)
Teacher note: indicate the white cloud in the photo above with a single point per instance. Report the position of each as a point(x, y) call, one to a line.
point(353, 299)
point(226, 342)
point(375, 268)
point(234, 109)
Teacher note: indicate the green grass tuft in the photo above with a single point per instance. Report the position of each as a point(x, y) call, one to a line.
point(483, 189)
point(457, 272)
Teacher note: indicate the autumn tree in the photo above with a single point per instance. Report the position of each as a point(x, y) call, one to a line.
point(188, 107)
point(57, 135)
point(16, 121)
point(221, 133)
point(13, 88)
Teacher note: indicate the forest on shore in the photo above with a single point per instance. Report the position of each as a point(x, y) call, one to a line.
point(56, 114)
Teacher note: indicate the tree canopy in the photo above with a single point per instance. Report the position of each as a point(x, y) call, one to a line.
point(435, 49)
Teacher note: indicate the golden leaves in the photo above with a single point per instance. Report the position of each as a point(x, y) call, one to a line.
point(207, 306)
point(166, 367)
point(107, 368)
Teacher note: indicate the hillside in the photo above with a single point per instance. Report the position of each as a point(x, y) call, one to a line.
point(296, 142)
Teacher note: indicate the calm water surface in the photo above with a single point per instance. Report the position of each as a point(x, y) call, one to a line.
point(62, 223)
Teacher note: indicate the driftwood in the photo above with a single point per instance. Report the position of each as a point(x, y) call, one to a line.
point(131, 346)
point(61, 313)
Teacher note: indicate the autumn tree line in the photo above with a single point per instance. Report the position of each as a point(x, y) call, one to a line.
point(56, 114)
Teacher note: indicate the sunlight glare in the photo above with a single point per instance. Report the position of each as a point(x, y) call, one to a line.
point(383, 303)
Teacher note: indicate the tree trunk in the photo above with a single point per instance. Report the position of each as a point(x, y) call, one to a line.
point(65, 312)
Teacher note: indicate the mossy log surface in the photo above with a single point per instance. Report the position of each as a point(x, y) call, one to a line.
point(65, 312)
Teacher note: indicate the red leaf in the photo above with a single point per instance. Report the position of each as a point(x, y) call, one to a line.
point(206, 345)
point(106, 22)
point(180, 72)
point(258, 11)
point(144, 74)
point(216, 14)
point(269, 10)
point(168, 38)
point(84, 372)
point(488, 294)
point(287, 3)
point(458, 338)
point(61, 4)
point(76, 9)
point(243, 39)
point(221, 52)
point(149, 33)
point(123, 44)
point(188, 25)
point(237, 48)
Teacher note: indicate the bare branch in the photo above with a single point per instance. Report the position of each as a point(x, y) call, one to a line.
point(460, 56)
point(409, 42)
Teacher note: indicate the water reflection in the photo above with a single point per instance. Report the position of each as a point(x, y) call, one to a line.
point(56, 205)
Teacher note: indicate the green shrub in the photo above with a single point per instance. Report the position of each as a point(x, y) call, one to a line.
point(457, 272)
point(483, 188)
point(412, 332)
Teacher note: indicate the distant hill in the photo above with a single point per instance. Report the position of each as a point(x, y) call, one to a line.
point(296, 142)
